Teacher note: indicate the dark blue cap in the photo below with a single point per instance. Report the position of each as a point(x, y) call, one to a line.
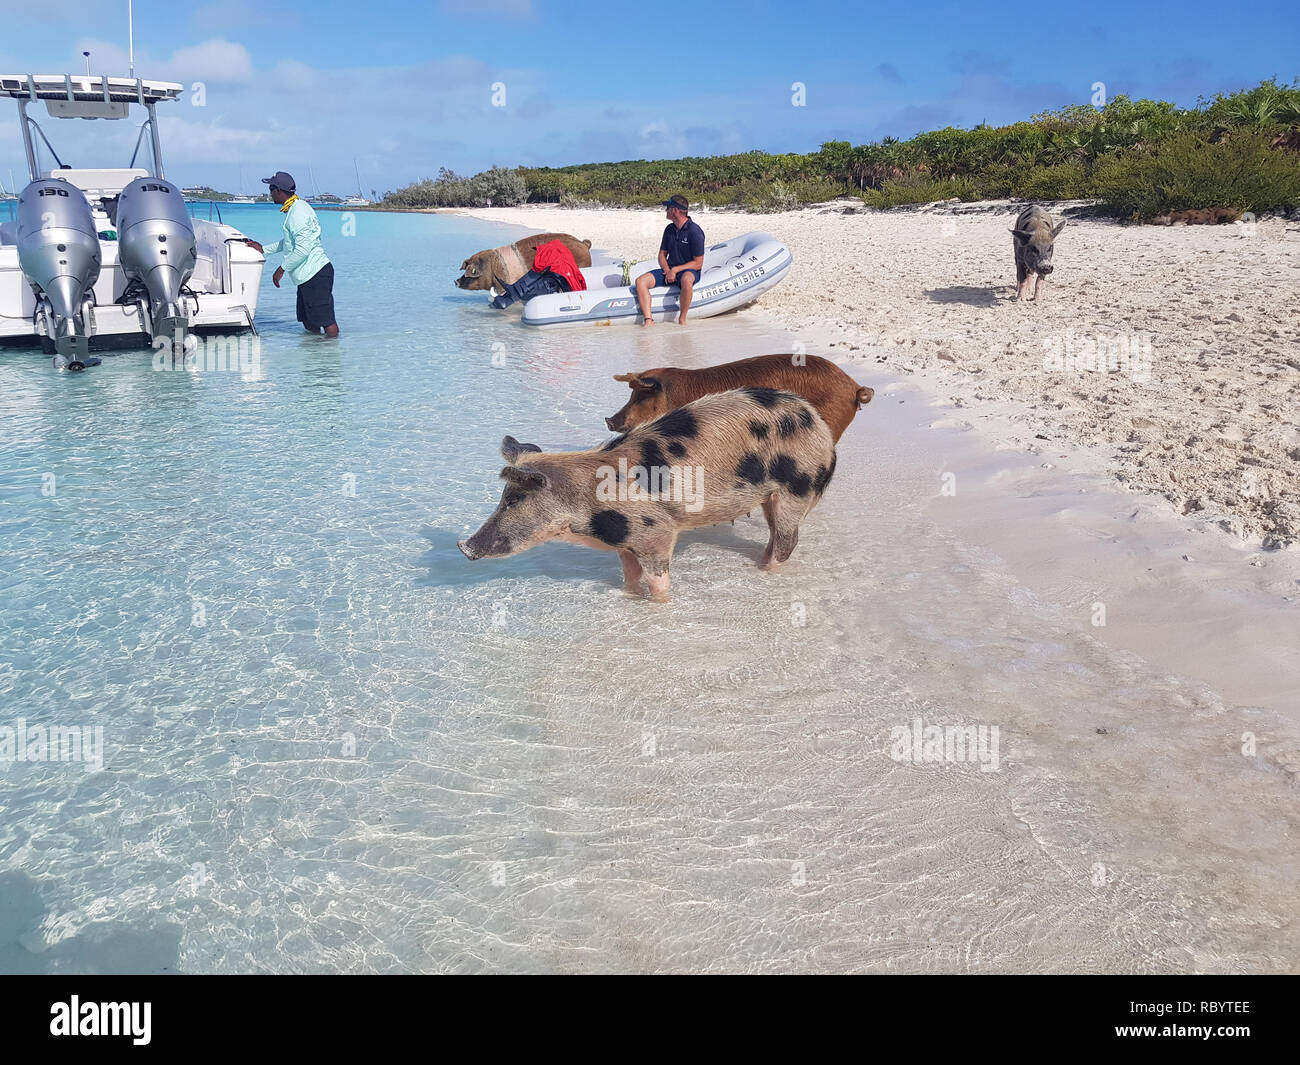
point(280, 180)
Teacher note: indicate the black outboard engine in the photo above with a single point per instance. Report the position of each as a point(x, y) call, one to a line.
point(155, 241)
point(58, 249)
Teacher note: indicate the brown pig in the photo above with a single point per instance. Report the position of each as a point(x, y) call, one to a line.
point(494, 268)
point(707, 462)
point(834, 393)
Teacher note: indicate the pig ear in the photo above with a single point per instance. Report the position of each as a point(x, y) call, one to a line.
point(1020, 234)
point(1057, 231)
point(511, 448)
point(524, 478)
point(635, 381)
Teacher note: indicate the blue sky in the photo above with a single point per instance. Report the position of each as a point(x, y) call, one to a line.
point(407, 87)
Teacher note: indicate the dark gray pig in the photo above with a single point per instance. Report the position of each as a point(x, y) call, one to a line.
point(1033, 239)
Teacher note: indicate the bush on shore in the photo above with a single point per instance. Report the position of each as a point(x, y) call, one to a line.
point(1242, 171)
point(1139, 157)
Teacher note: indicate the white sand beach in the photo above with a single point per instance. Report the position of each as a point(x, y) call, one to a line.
point(1196, 392)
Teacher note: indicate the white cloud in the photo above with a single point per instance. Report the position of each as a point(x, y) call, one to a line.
point(292, 75)
point(217, 63)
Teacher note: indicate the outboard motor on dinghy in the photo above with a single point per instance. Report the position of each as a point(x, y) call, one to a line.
point(155, 240)
point(58, 250)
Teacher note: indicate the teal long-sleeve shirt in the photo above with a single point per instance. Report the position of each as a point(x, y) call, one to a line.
point(303, 255)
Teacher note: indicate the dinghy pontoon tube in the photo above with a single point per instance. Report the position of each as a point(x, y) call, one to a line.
point(736, 272)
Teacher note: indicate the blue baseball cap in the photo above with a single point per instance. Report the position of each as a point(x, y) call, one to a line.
point(280, 180)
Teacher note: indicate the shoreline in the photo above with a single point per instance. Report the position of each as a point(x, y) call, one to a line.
point(1161, 346)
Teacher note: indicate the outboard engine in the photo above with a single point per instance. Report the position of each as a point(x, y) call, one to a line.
point(59, 252)
point(155, 241)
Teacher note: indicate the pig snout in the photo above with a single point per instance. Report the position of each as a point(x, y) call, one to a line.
point(486, 543)
point(614, 426)
point(1045, 269)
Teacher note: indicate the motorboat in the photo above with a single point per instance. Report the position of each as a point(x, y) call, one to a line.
point(736, 272)
point(113, 256)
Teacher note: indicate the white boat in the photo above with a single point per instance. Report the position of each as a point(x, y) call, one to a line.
point(242, 197)
point(736, 272)
point(112, 255)
point(359, 200)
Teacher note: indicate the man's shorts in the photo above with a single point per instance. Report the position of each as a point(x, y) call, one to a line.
point(316, 299)
point(659, 277)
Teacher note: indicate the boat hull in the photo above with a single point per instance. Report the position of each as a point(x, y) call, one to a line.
point(223, 293)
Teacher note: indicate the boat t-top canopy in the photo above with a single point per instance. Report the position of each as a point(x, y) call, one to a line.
point(87, 88)
point(86, 96)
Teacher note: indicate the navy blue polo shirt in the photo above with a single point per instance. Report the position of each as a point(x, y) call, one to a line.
point(682, 245)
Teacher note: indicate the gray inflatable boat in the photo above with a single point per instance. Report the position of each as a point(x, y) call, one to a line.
point(736, 272)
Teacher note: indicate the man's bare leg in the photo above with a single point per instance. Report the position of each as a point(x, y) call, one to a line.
point(644, 284)
point(684, 301)
point(331, 330)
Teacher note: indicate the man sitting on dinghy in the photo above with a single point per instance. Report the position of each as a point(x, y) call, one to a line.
point(681, 258)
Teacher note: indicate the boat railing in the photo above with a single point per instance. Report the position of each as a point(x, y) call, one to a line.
point(195, 207)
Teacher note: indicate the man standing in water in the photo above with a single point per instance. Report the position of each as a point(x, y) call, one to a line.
point(681, 258)
point(304, 259)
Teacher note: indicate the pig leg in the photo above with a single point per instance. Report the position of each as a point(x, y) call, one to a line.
point(654, 561)
point(632, 571)
point(1022, 280)
point(783, 516)
point(658, 586)
point(1038, 283)
point(657, 577)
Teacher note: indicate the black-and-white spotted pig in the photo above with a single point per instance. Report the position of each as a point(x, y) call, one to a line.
point(711, 461)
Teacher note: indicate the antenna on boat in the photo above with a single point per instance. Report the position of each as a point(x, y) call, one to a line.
point(87, 55)
point(130, 34)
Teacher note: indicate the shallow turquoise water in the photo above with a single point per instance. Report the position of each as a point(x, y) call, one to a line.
point(333, 744)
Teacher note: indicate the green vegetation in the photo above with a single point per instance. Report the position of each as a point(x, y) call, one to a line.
point(497, 187)
point(1141, 158)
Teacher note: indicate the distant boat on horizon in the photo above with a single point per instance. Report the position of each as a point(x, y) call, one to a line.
point(242, 196)
point(359, 200)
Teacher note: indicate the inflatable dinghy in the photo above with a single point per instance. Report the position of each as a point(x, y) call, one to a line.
point(736, 272)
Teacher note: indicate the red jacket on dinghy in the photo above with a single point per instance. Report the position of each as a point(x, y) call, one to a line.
point(554, 256)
